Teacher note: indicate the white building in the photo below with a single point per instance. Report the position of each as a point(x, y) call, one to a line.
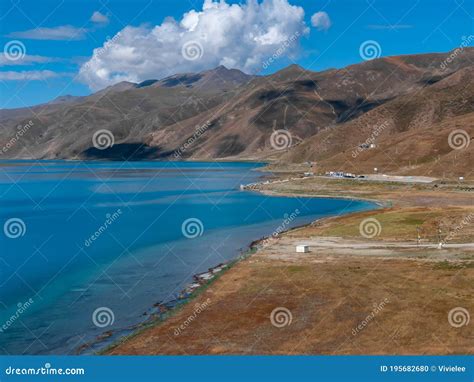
point(302, 248)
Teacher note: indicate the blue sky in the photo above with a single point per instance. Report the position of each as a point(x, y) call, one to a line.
point(57, 37)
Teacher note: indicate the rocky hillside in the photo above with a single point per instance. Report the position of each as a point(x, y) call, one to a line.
point(393, 113)
point(424, 132)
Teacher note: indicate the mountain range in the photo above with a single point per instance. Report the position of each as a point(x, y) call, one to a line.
point(396, 114)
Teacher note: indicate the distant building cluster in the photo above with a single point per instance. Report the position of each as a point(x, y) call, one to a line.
point(341, 174)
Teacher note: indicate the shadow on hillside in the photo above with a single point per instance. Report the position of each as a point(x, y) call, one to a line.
point(126, 151)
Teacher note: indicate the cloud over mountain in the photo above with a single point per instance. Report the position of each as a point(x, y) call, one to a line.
point(321, 21)
point(241, 36)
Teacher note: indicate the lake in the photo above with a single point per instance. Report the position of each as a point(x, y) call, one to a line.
point(88, 247)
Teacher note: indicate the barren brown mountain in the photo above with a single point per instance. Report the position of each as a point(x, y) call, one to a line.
point(409, 134)
point(393, 113)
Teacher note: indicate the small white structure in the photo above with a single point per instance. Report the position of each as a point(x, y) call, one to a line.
point(302, 248)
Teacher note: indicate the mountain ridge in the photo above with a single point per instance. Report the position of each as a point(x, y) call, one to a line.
point(240, 112)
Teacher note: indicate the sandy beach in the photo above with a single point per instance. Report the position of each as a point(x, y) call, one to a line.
point(374, 282)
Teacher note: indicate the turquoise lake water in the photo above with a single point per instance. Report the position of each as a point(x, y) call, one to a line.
point(78, 237)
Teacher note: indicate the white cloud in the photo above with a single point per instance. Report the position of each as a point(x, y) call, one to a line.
point(27, 59)
point(321, 21)
point(99, 18)
point(31, 75)
point(63, 32)
point(389, 27)
point(241, 36)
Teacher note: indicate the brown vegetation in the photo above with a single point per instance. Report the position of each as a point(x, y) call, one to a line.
point(350, 295)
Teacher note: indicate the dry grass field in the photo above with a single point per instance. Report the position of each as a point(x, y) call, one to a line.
point(351, 294)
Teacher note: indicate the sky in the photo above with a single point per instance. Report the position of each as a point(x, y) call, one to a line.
point(53, 48)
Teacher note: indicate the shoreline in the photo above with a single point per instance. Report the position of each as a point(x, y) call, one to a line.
point(189, 293)
point(380, 203)
point(383, 198)
point(194, 290)
point(173, 307)
point(157, 313)
point(396, 254)
point(137, 319)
